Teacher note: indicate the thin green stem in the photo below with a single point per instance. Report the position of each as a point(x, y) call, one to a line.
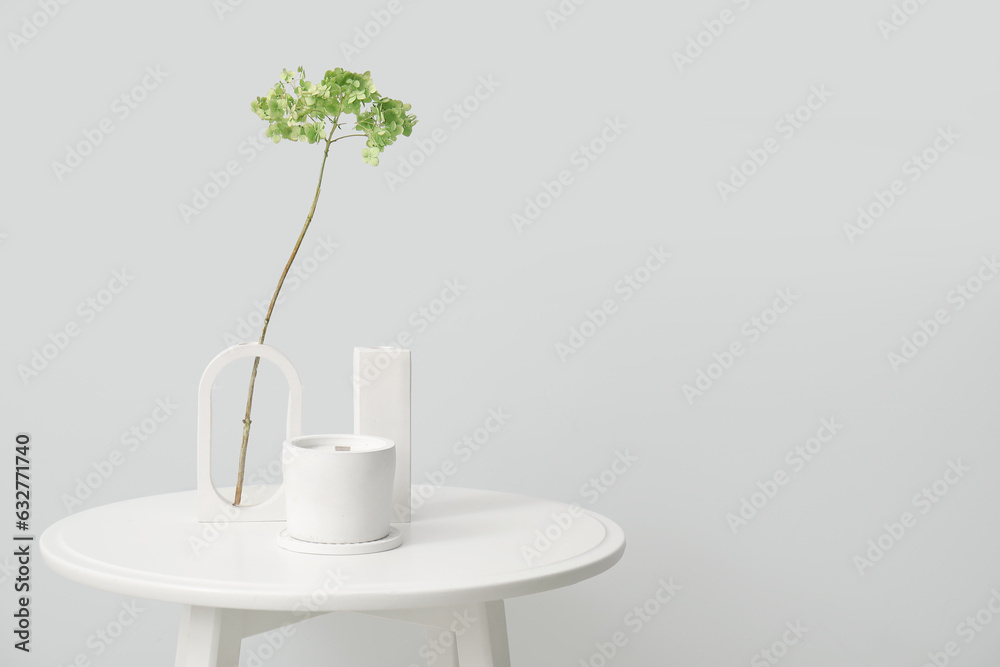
point(267, 318)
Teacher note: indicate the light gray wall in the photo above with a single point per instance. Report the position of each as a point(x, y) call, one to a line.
point(884, 96)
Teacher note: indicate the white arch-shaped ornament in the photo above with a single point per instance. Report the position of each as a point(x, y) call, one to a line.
point(212, 506)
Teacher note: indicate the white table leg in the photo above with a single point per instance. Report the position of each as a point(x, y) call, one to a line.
point(479, 632)
point(208, 637)
point(484, 644)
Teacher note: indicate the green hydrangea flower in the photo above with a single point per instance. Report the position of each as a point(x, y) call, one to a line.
point(300, 110)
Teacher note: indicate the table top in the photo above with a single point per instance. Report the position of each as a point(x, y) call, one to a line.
point(463, 546)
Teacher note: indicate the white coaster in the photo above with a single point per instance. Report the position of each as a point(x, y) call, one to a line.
point(390, 541)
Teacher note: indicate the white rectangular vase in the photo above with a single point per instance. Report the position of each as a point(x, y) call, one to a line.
point(382, 408)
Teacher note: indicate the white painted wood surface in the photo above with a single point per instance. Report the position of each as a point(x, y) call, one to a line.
point(465, 552)
point(464, 546)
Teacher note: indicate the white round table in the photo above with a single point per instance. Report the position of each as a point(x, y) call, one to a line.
point(464, 552)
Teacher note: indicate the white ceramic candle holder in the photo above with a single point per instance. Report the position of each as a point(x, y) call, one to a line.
point(338, 493)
